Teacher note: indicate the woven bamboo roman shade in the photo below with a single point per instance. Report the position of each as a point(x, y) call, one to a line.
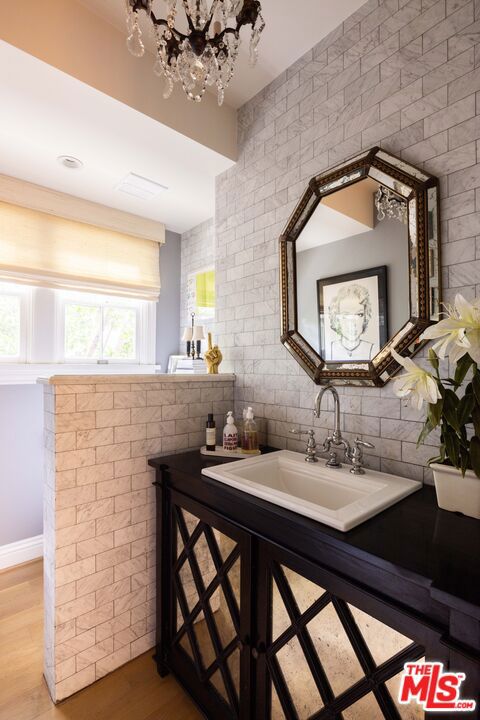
point(42, 249)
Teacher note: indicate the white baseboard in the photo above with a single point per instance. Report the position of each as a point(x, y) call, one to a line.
point(21, 551)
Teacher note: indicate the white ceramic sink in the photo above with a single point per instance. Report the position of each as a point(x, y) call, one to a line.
point(330, 495)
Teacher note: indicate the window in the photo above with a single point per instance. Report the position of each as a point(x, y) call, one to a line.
point(100, 329)
point(13, 322)
point(42, 328)
point(55, 273)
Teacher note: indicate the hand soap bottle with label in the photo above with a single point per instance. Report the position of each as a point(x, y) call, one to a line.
point(230, 434)
point(250, 434)
point(211, 434)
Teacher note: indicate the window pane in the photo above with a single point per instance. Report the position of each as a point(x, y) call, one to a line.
point(9, 326)
point(83, 328)
point(119, 333)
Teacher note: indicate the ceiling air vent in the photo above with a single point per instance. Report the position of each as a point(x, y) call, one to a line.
point(140, 187)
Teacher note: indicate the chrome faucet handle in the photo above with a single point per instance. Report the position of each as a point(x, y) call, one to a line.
point(356, 456)
point(311, 456)
point(328, 447)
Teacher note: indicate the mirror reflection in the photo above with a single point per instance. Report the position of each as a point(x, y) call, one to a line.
point(352, 267)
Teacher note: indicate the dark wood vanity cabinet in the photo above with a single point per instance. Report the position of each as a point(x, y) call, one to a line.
point(204, 609)
point(254, 627)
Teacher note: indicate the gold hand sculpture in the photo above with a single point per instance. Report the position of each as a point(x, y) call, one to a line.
point(213, 357)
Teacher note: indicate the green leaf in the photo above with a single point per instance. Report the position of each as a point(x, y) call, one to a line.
point(426, 430)
point(465, 409)
point(433, 357)
point(450, 404)
point(452, 448)
point(463, 366)
point(451, 381)
point(464, 461)
point(435, 413)
point(464, 437)
point(475, 454)
point(469, 389)
point(439, 458)
point(476, 419)
point(443, 453)
point(476, 385)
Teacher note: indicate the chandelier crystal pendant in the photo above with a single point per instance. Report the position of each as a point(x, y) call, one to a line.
point(206, 55)
point(391, 206)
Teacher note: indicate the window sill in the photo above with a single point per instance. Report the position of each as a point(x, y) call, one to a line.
point(29, 373)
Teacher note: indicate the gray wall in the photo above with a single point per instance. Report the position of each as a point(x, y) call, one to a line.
point(386, 245)
point(168, 308)
point(399, 74)
point(21, 462)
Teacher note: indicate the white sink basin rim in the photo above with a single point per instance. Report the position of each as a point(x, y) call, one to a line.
point(333, 496)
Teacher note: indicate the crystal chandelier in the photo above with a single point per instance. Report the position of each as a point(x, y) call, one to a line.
point(206, 55)
point(389, 205)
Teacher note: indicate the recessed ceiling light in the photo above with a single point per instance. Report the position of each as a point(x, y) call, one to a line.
point(70, 162)
point(140, 187)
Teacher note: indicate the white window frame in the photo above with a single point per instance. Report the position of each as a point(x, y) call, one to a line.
point(145, 327)
point(100, 302)
point(43, 359)
point(25, 296)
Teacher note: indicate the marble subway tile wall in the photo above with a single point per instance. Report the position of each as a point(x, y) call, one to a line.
point(401, 74)
point(99, 511)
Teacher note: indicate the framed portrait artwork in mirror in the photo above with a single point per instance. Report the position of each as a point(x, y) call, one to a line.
point(352, 311)
point(360, 269)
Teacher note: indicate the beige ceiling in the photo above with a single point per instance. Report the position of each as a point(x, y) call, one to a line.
point(292, 28)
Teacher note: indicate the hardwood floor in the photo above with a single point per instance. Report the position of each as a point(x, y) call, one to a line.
point(133, 692)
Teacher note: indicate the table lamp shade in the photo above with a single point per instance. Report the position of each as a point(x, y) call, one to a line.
point(187, 334)
point(198, 333)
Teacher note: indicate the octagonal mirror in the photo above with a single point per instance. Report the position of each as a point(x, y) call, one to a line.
point(360, 269)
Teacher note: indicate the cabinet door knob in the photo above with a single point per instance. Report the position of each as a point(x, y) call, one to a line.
point(255, 653)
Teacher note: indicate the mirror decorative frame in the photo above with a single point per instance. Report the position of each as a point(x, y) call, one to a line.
point(420, 191)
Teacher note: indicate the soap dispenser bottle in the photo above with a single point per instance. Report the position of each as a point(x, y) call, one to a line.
point(241, 425)
point(230, 433)
point(250, 433)
point(210, 434)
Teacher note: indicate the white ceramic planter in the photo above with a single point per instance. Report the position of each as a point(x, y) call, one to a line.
point(457, 493)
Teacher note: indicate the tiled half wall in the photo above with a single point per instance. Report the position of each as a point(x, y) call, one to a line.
point(99, 511)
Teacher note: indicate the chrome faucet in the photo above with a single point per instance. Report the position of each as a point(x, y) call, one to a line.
point(335, 440)
point(311, 449)
point(356, 456)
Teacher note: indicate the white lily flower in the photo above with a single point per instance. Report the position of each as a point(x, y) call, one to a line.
point(416, 383)
point(459, 332)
